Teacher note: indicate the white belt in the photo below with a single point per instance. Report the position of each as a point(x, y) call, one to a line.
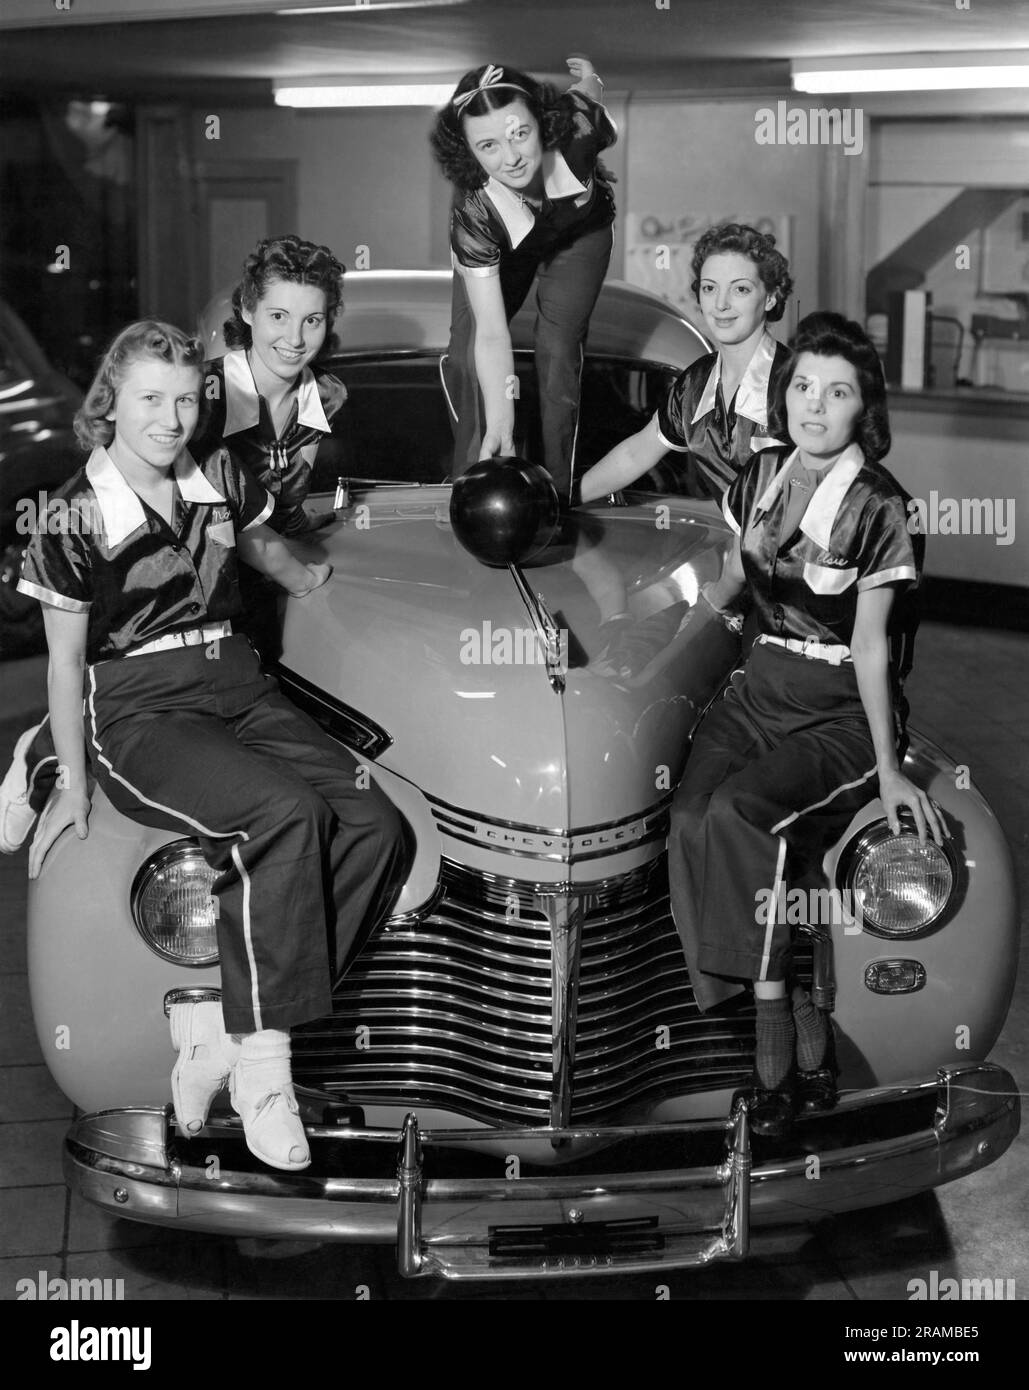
point(817, 651)
point(192, 637)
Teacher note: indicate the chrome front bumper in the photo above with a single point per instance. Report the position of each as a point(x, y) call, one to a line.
point(630, 1216)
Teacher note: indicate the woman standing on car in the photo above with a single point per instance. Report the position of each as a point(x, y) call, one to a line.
point(532, 204)
point(780, 765)
point(716, 411)
point(187, 734)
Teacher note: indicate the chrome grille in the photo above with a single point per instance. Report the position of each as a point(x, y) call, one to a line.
point(455, 1011)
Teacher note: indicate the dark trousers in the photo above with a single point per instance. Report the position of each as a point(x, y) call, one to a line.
point(567, 285)
point(307, 848)
point(777, 770)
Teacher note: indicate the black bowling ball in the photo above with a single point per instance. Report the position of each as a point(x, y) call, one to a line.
point(504, 510)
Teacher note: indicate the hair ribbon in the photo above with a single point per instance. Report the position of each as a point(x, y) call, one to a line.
point(492, 77)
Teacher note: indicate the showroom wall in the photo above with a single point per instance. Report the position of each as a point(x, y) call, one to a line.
point(675, 156)
point(343, 198)
point(365, 178)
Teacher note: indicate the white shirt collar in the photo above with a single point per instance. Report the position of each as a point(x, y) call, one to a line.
point(516, 214)
point(752, 392)
point(120, 507)
point(821, 512)
point(242, 403)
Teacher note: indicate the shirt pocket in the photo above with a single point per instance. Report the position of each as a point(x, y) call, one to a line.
point(222, 533)
point(827, 579)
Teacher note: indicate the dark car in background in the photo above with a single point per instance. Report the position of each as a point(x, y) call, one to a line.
point(38, 452)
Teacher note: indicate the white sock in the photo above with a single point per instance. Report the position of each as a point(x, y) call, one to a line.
point(266, 1042)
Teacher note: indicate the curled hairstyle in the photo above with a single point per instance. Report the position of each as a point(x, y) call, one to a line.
point(759, 247)
point(145, 341)
point(296, 261)
point(832, 335)
point(447, 138)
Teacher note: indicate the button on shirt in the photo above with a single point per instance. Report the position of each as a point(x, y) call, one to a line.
point(239, 417)
point(137, 577)
point(718, 441)
point(853, 535)
point(493, 223)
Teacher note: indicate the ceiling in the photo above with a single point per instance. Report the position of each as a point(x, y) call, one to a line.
point(230, 50)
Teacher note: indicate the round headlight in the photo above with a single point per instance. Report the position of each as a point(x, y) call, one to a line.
point(901, 885)
point(173, 908)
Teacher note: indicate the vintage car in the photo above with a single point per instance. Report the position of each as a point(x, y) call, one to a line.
point(515, 1079)
point(38, 452)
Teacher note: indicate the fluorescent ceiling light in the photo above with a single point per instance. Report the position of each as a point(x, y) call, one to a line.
point(364, 5)
point(912, 72)
point(396, 94)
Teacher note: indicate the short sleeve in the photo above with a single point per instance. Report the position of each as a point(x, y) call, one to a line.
point(734, 502)
point(58, 571)
point(888, 553)
point(473, 241)
point(671, 424)
point(250, 503)
point(332, 392)
point(590, 119)
point(206, 439)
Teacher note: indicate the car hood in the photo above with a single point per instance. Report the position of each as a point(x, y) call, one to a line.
point(442, 652)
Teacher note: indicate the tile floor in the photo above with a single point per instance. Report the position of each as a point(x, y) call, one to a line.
point(968, 693)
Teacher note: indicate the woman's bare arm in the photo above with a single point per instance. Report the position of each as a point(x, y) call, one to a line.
point(586, 79)
point(69, 802)
point(263, 549)
point(869, 648)
point(494, 363)
point(625, 463)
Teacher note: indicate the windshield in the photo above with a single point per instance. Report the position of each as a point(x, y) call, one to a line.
point(395, 426)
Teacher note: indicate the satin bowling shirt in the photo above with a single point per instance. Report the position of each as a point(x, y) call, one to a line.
point(137, 577)
point(239, 418)
point(717, 440)
point(853, 536)
point(493, 223)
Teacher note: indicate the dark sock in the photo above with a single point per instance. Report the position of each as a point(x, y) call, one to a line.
point(776, 1038)
point(811, 1034)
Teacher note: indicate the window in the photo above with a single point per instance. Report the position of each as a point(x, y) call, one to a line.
point(395, 425)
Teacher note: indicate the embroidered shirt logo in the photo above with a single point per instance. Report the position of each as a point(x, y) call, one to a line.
point(219, 515)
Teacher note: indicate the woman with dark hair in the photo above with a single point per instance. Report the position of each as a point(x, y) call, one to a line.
point(532, 203)
point(815, 726)
point(716, 412)
point(269, 402)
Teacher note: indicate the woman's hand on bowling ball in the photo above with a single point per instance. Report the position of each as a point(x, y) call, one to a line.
point(65, 807)
point(496, 443)
point(896, 791)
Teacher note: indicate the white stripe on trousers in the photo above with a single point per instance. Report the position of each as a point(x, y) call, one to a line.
point(255, 997)
point(773, 909)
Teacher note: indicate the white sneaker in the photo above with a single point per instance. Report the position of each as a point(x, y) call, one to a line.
point(206, 1058)
point(16, 815)
point(261, 1091)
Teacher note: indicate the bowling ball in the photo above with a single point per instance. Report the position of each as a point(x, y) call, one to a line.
point(504, 510)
